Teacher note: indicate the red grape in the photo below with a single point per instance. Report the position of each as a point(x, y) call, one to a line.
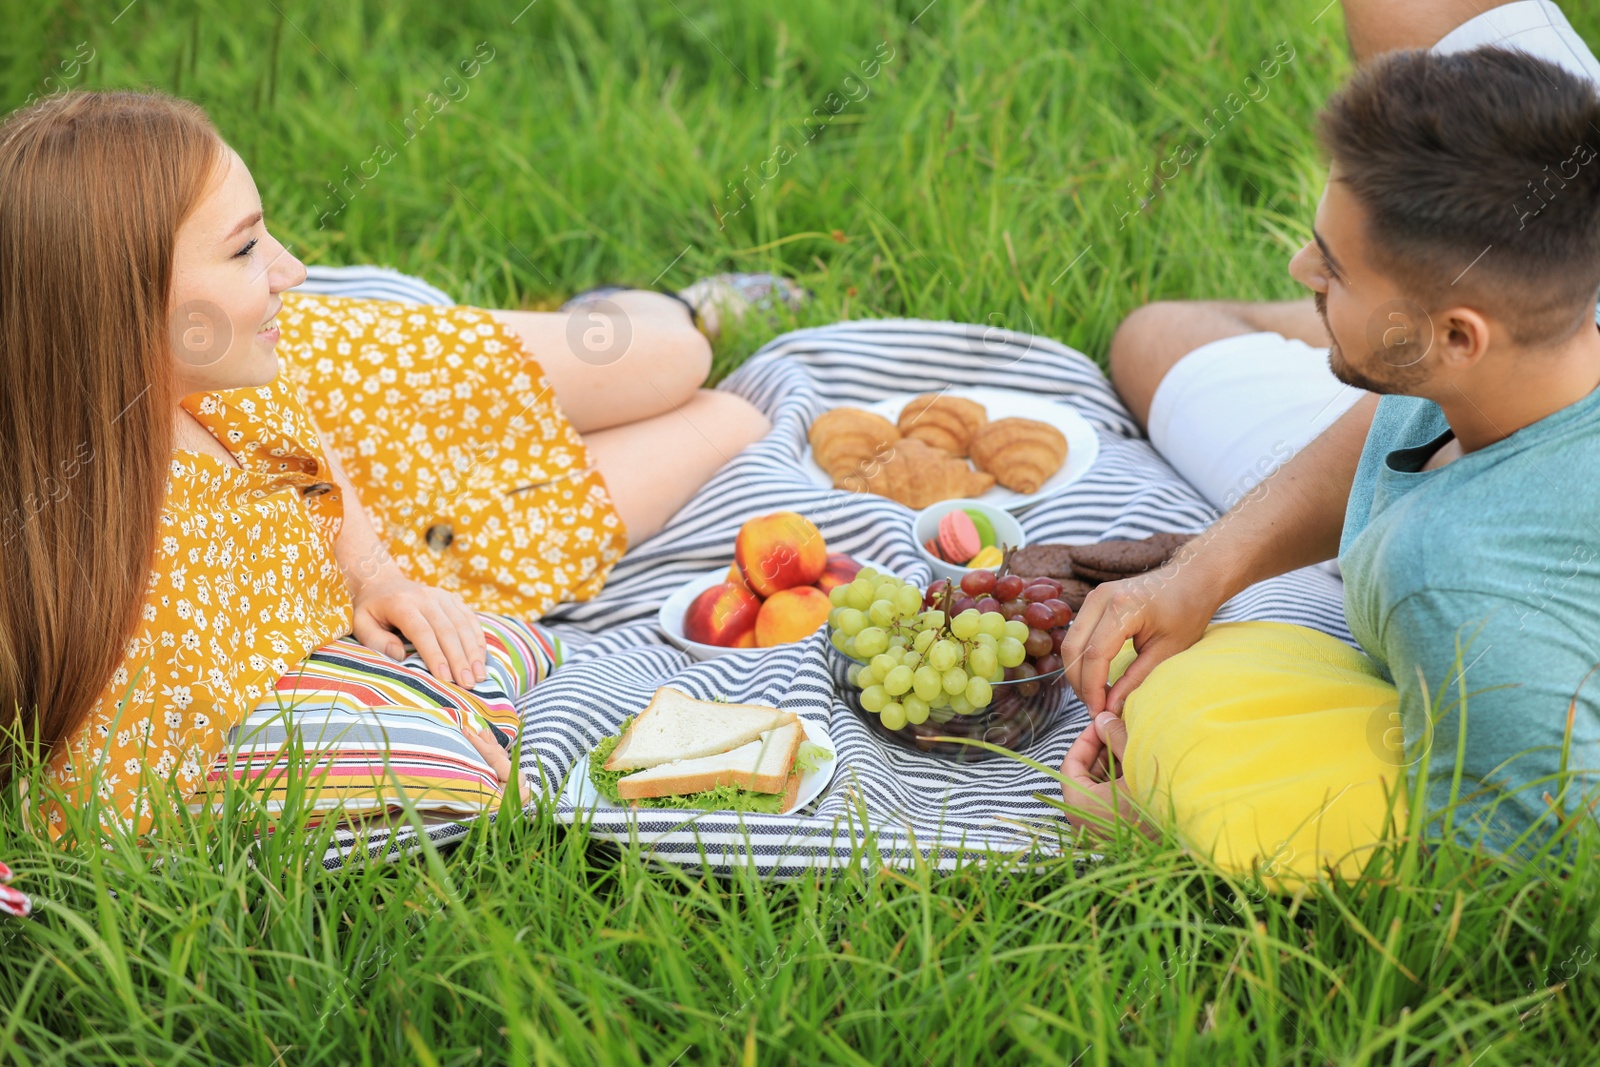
point(1049, 664)
point(1039, 591)
point(1039, 616)
point(939, 585)
point(1013, 609)
point(1008, 588)
point(989, 603)
point(961, 604)
point(977, 583)
point(1038, 643)
point(1063, 613)
point(1058, 635)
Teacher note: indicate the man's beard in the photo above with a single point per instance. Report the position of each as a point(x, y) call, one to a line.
point(1405, 376)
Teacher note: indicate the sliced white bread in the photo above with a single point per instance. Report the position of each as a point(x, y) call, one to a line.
point(676, 726)
point(762, 766)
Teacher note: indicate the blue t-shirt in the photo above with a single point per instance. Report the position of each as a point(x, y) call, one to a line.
point(1494, 558)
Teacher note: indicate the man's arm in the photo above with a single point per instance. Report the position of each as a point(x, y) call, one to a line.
point(1378, 26)
point(1291, 520)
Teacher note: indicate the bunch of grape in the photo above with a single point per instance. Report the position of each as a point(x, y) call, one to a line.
point(922, 656)
point(1034, 602)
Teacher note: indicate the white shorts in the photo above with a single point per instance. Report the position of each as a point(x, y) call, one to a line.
point(1231, 412)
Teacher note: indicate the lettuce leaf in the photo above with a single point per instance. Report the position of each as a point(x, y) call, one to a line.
point(725, 798)
point(811, 756)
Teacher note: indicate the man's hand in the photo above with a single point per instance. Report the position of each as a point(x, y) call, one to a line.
point(1093, 795)
point(445, 632)
point(1164, 612)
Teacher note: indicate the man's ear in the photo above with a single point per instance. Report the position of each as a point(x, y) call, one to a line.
point(1460, 337)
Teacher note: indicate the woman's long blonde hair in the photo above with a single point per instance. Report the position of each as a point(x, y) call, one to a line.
point(93, 188)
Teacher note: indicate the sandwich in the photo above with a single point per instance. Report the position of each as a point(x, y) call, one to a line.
point(680, 752)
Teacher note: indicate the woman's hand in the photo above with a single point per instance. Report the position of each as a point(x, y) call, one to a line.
point(446, 633)
point(1097, 799)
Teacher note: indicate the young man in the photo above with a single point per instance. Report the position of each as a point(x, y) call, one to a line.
point(1455, 269)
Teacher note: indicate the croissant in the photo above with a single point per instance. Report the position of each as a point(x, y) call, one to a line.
point(917, 474)
point(848, 440)
point(1022, 454)
point(946, 422)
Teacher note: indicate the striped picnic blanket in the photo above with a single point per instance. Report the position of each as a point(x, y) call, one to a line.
point(885, 804)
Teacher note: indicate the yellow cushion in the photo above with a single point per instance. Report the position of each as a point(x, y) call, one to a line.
point(1269, 747)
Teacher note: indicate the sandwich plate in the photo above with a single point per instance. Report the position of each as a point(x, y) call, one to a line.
point(581, 793)
point(1083, 444)
point(670, 617)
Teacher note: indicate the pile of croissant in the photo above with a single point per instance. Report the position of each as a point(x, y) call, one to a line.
point(923, 459)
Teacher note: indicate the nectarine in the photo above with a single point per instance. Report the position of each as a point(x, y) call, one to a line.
point(790, 615)
point(840, 570)
point(724, 615)
point(779, 551)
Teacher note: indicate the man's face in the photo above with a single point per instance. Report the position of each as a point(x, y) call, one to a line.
point(1380, 338)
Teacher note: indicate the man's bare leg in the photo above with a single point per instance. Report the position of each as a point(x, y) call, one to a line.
point(1154, 338)
point(1378, 26)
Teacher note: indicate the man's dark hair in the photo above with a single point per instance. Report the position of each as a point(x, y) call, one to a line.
point(1488, 159)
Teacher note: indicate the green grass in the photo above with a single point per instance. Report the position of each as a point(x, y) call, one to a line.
point(982, 174)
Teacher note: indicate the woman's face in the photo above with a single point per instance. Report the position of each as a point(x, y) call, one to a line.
point(227, 274)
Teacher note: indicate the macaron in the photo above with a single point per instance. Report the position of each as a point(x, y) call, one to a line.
point(991, 556)
point(985, 527)
point(958, 537)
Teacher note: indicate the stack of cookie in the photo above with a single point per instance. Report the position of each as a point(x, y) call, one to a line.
point(1079, 568)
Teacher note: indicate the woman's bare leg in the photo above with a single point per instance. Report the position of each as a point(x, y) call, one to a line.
point(654, 466)
point(621, 359)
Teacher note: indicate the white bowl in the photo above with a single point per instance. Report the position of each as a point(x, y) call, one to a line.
point(670, 617)
point(1007, 532)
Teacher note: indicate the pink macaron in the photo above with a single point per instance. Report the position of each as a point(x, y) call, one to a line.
point(958, 537)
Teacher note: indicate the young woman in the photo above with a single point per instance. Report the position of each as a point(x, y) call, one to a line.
point(221, 494)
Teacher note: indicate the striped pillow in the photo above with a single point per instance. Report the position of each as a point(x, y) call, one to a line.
point(351, 732)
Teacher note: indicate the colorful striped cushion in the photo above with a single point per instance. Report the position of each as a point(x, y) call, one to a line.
point(350, 731)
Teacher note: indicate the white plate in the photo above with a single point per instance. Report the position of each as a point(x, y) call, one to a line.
point(670, 617)
point(582, 793)
point(1083, 444)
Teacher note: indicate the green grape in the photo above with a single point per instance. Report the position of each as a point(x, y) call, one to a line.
point(881, 613)
point(992, 624)
point(998, 675)
point(842, 641)
point(867, 677)
point(898, 642)
point(1011, 651)
point(944, 655)
point(913, 659)
point(942, 701)
point(961, 705)
point(898, 681)
point(873, 698)
point(978, 693)
point(837, 594)
point(886, 591)
point(940, 712)
point(924, 639)
point(873, 640)
point(870, 575)
point(860, 595)
point(986, 641)
point(853, 675)
point(955, 680)
point(965, 625)
point(916, 709)
point(931, 619)
point(883, 663)
point(1017, 630)
point(928, 682)
point(908, 601)
point(851, 620)
point(982, 661)
point(893, 716)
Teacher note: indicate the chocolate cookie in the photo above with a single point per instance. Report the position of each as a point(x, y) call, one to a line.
point(1111, 560)
point(1073, 591)
point(1043, 561)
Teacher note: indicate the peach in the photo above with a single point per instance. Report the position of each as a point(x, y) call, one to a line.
point(779, 551)
point(791, 615)
point(840, 570)
point(735, 577)
point(724, 615)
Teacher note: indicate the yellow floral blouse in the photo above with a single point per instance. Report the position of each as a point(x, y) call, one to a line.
point(474, 479)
